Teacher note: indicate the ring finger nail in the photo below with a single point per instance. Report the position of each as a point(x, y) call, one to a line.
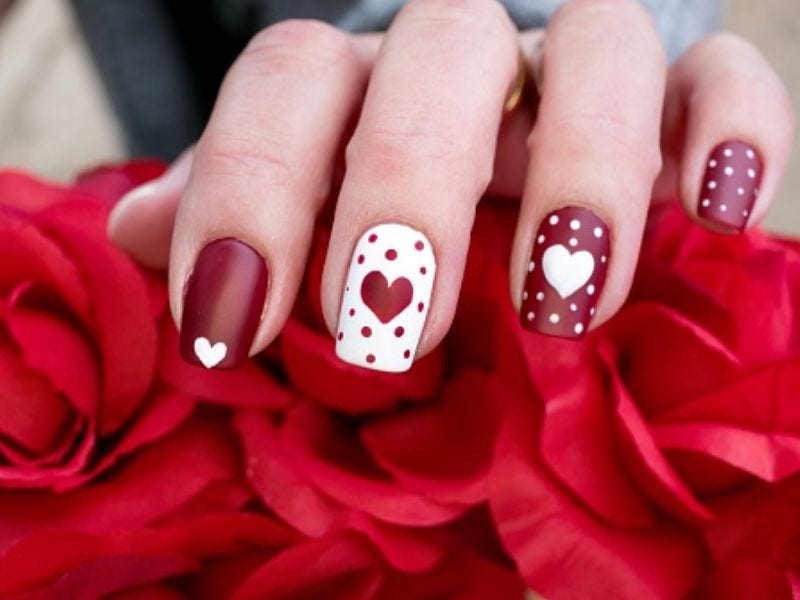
point(566, 272)
point(386, 297)
point(730, 185)
point(223, 304)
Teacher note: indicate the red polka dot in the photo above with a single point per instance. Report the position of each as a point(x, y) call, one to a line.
point(423, 270)
point(361, 259)
point(398, 332)
point(421, 306)
point(370, 358)
point(407, 353)
point(391, 254)
point(366, 331)
point(340, 336)
point(373, 237)
point(419, 245)
point(352, 311)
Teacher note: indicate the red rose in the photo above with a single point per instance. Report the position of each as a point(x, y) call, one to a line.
point(661, 457)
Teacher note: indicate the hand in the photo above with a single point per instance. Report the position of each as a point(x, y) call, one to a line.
point(430, 137)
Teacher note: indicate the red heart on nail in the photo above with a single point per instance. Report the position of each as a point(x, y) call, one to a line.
point(386, 301)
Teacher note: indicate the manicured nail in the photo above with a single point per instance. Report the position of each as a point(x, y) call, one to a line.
point(386, 298)
point(566, 273)
point(223, 304)
point(730, 185)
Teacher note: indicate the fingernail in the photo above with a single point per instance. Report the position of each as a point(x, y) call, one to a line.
point(730, 185)
point(386, 297)
point(223, 304)
point(566, 273)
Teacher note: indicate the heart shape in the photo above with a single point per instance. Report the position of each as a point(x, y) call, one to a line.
point(566, 272)
point(386, 301)
point(210, 355)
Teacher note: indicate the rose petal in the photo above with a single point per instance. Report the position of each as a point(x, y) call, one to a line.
point(248, 387)
point(442, 450)
point(28, 255)
point(56, 349)
point(347, 388)
point(325, 450)
point(34, 415)
point(651, 469)
point(558, 545)
point(103, 576)
point(158, 479)
point(334, 567)
point(122, 314)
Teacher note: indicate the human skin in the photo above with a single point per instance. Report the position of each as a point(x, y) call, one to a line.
point(614, 126)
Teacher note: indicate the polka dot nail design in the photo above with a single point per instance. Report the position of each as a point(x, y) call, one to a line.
point(566, 273)
point(386, 298)
point(730, 186)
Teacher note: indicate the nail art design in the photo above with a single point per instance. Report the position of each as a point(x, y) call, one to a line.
point(730, 185)
point(566, 273)
point(386, 297)
point(223, 305)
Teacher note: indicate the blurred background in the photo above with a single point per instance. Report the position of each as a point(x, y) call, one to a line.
point(55, 117)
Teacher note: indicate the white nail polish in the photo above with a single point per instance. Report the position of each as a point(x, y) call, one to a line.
point(386, 297)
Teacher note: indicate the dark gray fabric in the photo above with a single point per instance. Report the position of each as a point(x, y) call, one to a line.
point(162, 60)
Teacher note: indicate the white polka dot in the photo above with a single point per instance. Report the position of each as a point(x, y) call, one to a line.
point(705, 203)
point(591, 311)
point(540, 239)
point(750, 154)
point(574, 224)
point(712, 163)
point(553, 220)
point(728, 171)
point(603, 258)
point(590, 289)
point(723, 207)
point(745, 213)
point(530, 316)
point(524, 294)
point(751, 173)
point(573, 242)
point(712, 185)
point(554, 318)
point(728, 152)
point(573, 307)
point(531, 266)
point(740, 191)
point(598, 232)
point(579, 328)
point(540, 296)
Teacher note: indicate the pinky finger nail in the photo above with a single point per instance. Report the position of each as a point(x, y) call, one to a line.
point(730, 185)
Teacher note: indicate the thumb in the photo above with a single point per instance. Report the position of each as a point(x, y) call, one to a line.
point(141, 223)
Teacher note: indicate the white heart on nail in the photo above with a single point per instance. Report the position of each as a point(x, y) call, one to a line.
point(209, 355)
point(566, 272)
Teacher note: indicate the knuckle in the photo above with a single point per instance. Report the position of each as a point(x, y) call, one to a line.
point(391, 150)
point(299, 45)
point(228, 157)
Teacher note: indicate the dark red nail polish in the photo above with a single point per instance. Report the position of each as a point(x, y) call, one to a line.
point(566, 273)
point(730, 185)
point(223, 304)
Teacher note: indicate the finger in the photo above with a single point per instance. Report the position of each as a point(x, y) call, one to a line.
point(261, 170)
point(418, 162)
point(141, 223)
point(734, 118)
point(594, 156)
